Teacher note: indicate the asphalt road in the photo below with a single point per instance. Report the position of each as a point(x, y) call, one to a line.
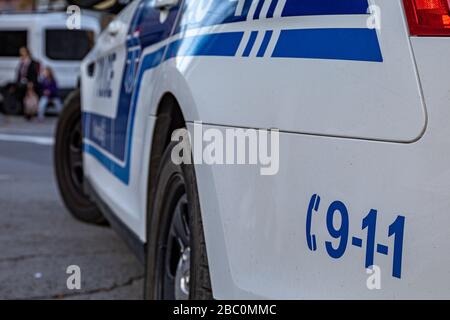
point(38, 237)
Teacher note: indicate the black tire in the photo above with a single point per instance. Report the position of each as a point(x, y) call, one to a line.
point(68, 159)
point(176, 184)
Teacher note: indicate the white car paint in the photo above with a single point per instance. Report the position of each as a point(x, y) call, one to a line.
point(373, 135)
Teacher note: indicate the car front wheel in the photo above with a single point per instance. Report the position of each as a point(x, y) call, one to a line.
point(68, 158)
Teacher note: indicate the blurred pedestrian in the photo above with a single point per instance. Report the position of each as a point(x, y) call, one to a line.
point(49, 89)
point(28, 72)
point(26, 80)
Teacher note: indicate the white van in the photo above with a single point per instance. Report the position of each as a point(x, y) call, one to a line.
point(50, 41)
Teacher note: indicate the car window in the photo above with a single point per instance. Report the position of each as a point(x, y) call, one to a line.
point(63, 44)
point(11, 41)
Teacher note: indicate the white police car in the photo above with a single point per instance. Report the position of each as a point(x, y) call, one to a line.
point(358, 89)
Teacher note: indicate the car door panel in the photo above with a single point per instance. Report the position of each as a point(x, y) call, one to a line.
point(114, 125)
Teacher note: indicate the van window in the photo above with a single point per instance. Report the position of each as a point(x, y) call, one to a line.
point(11, 41)
point(63, 44)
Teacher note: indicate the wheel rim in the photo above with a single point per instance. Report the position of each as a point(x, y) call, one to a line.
point(76, 156)
point(183, 275)
point(175, 254)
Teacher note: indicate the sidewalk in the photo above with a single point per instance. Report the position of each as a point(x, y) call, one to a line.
point(19, 126)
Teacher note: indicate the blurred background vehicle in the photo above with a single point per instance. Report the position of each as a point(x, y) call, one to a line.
point(41, 26)
point(50, 42)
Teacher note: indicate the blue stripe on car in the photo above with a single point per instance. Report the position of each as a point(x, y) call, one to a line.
point(272, 8)
point(265, 43)
point(219, 44)
point(250, 44)
point(332, 44)
point(295, 8)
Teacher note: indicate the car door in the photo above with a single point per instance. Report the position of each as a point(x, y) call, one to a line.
point(110, 97)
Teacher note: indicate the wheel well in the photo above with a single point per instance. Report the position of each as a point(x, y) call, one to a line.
point(169, 118)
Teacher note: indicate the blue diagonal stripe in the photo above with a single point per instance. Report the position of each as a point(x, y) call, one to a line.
point(250, 44)
point(258, 9)
point(265, 43)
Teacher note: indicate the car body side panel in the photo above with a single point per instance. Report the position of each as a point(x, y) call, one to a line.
point(289, 72)
point(263, 218)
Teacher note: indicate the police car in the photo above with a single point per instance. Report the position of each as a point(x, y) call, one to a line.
point(357, 93)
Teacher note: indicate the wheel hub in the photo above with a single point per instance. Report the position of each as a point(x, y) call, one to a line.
point(182, 275)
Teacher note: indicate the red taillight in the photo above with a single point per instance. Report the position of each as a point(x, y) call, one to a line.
point(428, 17)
